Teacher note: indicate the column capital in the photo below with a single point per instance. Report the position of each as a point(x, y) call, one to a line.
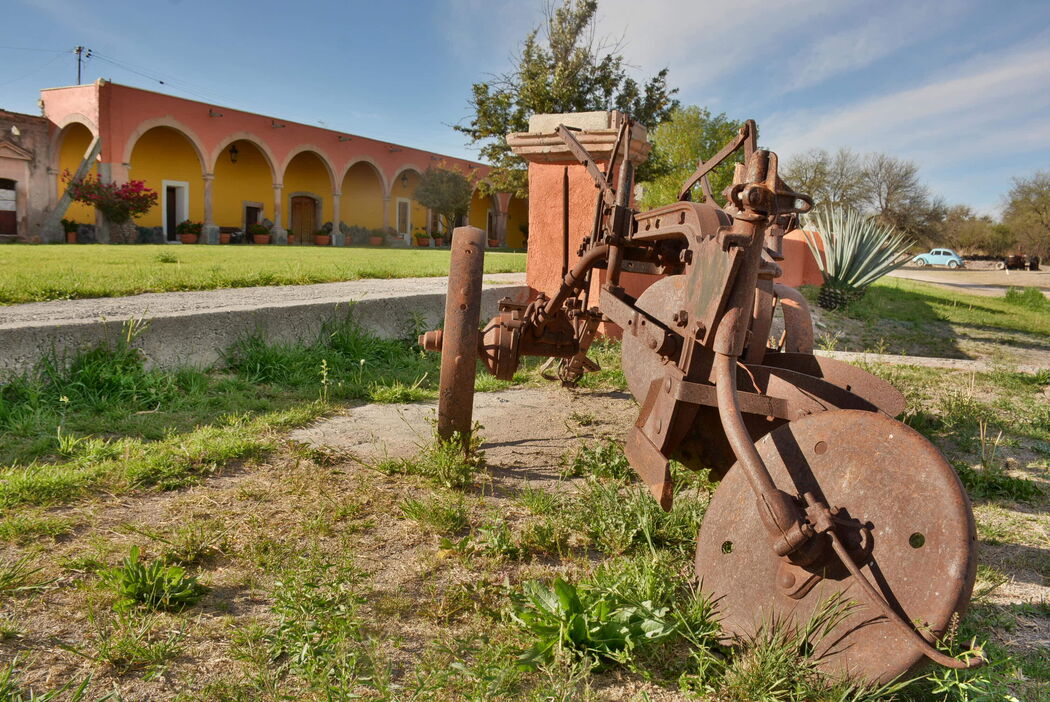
point(596, 132)
point(278, 186)
point(337, 194)
point(208, 177)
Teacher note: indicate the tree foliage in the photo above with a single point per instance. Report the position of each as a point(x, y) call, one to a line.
point(690, 135)
point(967, 232)
point(561, 68)
point(1027, 213)
point(879, 185)
point(446, 192)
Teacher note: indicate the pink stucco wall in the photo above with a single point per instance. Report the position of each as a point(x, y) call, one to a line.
point(122, 114)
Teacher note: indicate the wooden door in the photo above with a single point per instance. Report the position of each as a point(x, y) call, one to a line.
point(171, 207)
point(304, 220)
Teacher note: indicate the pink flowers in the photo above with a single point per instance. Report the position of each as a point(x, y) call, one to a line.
point(118, 203)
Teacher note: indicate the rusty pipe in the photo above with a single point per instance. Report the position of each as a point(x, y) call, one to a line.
point(778, 510)
point(574, 279)
point(459, 340)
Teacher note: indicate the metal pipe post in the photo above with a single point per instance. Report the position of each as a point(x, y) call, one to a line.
point(459, 342)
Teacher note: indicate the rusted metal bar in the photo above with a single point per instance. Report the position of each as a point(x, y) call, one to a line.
point(459, 342)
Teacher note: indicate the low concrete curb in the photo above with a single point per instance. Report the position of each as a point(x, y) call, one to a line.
point(925, 361)
point(184, 337)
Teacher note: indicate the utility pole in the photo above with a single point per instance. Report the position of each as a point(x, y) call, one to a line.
point(79, 51)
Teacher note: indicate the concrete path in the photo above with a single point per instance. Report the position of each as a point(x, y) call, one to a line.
point(194, 328)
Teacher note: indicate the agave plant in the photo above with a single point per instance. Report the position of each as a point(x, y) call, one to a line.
point(857, 252)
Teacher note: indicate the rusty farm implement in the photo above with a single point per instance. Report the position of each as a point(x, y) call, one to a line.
point(823, 494)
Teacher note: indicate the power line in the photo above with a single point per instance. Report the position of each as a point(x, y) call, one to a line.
point(161, 79)
point(34, 71)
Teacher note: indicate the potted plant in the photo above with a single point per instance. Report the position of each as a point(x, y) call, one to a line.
point(292, 239)
point(376, 238)
point(224, 237)
point(422, 237)
point(493, 243)
point(439, 239)
point(322, 238)
point(259, 234)
point(70, 228)
point(189, 231)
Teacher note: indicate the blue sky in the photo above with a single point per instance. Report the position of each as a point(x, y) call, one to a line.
point(960, 87)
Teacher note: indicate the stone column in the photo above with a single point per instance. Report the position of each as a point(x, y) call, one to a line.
point(562, 196)
point(337, 232)
point(209, 232)
point(105, 174)
point(54, 185)
point(500, 220)
point(279, 234)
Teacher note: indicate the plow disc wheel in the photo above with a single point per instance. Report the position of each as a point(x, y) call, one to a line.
point(917, 548)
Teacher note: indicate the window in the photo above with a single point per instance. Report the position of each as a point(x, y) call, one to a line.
point(404, 216)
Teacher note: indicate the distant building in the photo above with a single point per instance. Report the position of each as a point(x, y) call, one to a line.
point(223, 167)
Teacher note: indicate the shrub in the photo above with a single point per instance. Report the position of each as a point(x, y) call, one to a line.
point(119, 203)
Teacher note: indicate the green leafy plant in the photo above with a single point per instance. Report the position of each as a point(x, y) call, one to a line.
point(857, 252)
point(189, 227)
point(118, 202)
point(603, 460)
point(599, 626)
point(154, 585)
point(446, 514)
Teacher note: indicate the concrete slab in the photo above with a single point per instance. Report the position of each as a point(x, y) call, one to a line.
point(193, 328)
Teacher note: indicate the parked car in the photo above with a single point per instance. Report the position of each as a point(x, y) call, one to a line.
point(939, 257)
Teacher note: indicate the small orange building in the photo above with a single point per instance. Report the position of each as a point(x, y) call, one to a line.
point(230, 169)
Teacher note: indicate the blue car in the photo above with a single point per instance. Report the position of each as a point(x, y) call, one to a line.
point(939, 257)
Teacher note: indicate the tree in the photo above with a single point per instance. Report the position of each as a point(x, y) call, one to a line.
point(832, 180)
point(1027, 213)
point(965, 231)
point(564, 70)
point(896, 197)
point(691, 134)
point(446, 192)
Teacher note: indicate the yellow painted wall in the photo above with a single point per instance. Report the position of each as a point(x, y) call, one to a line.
point(362, 201)
point(479, 211)
point(307, 174)
point(75, 142)
point(517, 215)
point(249, 180)
point(162, 154)
point(419, 213)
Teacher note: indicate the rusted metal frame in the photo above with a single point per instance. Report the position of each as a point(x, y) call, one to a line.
point(762, 320)
point(584, 157)
point(798, 323)
point(632, 320)
point(745, 137)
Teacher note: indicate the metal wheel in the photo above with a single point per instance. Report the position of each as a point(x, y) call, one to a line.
point(920, 262)
point(903, 513)
point(953, 264)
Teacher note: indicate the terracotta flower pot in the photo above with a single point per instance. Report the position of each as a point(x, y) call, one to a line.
point(188, 238)
point(224, 238)
point(261, 239)
point(322, 239)
point(292, 240)
point(422, 242)
point(375, 240)
point(439, 241)
point(71, 237)
point(493, 243)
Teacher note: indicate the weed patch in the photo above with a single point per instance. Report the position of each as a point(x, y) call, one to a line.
point(152, 585)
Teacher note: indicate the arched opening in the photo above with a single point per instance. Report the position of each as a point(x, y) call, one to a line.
point(307, 186)
point(408, 216)
point(482, 213)
point(73, 142)
point(242, 193)
point(362, 201)
point(517, 223)
point(167, 161)
point(8, 208)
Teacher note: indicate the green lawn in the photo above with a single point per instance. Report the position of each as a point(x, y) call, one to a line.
point(35, 273)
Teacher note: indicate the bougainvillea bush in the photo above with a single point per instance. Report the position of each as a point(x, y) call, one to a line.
point(119, 203)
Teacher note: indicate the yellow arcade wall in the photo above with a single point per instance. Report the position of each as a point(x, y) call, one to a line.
point(307, 174)
point(418, 216)
point(362, 201)
point(478, 214)
point(248, 180)
point(75, 142)
point(517, 216)
point(162, 154)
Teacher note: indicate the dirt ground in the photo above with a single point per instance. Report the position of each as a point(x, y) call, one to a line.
point(992, 283)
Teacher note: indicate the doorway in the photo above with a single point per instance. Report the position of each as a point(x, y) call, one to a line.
point(8, 208)
point(176, 207)
point(303, 221)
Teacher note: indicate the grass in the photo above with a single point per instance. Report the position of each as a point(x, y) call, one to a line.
point(429, 579)
point(76, 272)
